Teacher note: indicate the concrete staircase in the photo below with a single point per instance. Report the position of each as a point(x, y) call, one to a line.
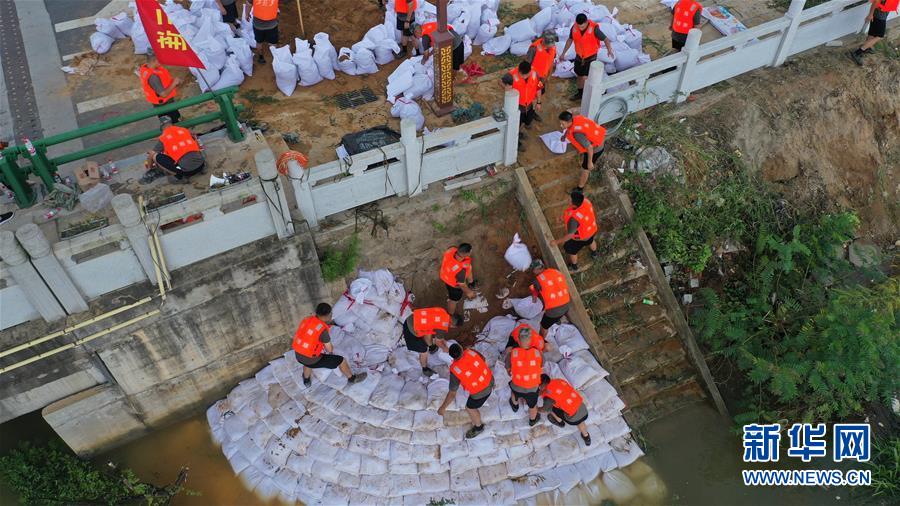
point(646, 355)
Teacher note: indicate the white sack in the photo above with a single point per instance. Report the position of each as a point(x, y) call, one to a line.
point(285, 70)
point(232, 75)
point(365, 61)
point(123, 23)
point(208, 76)
point(521, 30)
point(520, 48)
point(384, 54)
point(626, 57)
point(422, 86)
point(633, 37)
point(345, 62)
point(619, 485)
point(240, 49)
point(517, 254)
point(247, 27)
point(564, 70)
point(553, 142)
point(325, 55)
point(100, 42)
point(497, 45)
point(541, 20)
point(109, 28)
point(139, 37)
point(527, 308)
point(405, 108)
point(205, 43)
point(485, 33)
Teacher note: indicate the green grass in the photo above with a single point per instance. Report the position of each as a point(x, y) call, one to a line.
point(337, 263)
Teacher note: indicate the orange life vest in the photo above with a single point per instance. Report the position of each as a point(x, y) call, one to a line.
point(265, 10)
point(526, 367)
point(595, 133)
point(543, 58)
point(429, 320)
point(405, 6)
point(472, 372)
point(586, 43)
point(451, 267)
point(429, 28)
point(164, 77)
point(306, 339)
point(564, 396)
point(888, 5)
point(683, 19)
point(554, 291)
point(587, 220)
point(527, 88)
point(537, 342)
point(177, 142)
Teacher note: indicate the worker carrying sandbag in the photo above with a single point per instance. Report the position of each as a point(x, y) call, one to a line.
point(686, 14)
point(311, 339)
point(469, 369)
point(588, 38)
point(542, 57)
point(564, 405)
point(456, 273)
point(160, 88)
point(581, 229)
point(587, 137)
point(550, 286)
point(424, 331)
point(515, 337)
point(524, 364)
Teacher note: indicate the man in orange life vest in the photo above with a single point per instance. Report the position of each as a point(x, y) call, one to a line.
point(311, 339)
point(879, 10)
point(177, 153)
point(424, 44)
point(424, 332)
point(565, 405)
point(587, 37)
point(686, 14)
point(406, 16)
point(587, 138)
point(524, 365)
point(581, 228)
point(527, 82)
point(469, 370)
point(550, 286)
point(524, 329)
point(456, 273)
point(542, 57)
point(265, 26)
point(160, 88)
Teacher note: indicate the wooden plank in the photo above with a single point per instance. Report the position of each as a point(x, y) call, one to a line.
point(673, 309)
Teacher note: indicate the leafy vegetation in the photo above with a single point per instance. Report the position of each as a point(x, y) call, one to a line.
point(53, 475)
point(885, 466)
point(337, 263)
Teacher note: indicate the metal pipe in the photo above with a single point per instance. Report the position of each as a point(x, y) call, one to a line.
point(162, 260)
point(79, 341)
point(35, 342)
point(152, 246)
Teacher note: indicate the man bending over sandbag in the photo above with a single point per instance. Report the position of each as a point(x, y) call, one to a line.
point(550, 286)
point(524, 365)
point(565, 405)
point(309, 341)
point(470, 370)
point(426, 331)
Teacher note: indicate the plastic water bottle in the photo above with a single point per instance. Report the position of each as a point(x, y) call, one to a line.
point(52, 213)
point(30, 147)
point(113, 170)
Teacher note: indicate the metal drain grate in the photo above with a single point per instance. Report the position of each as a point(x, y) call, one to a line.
point(355, 98)
point(22, 103)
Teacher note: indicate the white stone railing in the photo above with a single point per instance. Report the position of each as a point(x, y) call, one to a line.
point(697, 66)
point(408, 167)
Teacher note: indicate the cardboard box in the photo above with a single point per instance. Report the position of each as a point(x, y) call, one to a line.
point(88, 176)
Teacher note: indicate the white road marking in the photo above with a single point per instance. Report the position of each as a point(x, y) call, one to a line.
point(108, 100)
point(112, 8)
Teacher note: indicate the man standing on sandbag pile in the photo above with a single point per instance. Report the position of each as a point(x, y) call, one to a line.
point(515, 337)
point(542, 57)
point(160, 88)
point(581, 229)
point(424, 44)
point(565, 405)
point(527, 82)
point(877, 19)
point(686, 14)
point(309, 341)
point(265, 26)
point(406, 16)
point(470, 370)
point(456, 273)
point(587, 37)
point(587, 137)
point(524, 365)
point(424, 332)
point(550, 286)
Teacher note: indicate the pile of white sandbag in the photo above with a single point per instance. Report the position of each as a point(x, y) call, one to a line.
point(381, 441)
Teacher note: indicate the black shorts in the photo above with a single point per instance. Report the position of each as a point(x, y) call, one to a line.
point(454, 293)
point(583, 67)
point(678, 40)
point(175, 116)
point(231, 13)
point(414, 343)
point(167, 163)
point(459, 56)
point(547, 321)
point(595, 158)
point(526, 114)
point(477, 403)
point(401, 25)
point(530, 398)
point(269, 36)
point(573, 246)
point(878, 28)
point(325, 361)
point(564, 417)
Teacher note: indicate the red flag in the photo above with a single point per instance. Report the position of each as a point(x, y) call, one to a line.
point(169, 46)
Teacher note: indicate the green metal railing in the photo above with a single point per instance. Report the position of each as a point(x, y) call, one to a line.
point(15, 177)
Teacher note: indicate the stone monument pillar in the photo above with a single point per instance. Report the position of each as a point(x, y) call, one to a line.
point(443, 63)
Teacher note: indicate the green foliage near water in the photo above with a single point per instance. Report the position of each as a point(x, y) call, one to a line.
point(53, 475)
point(885, 466)
point(337, 263)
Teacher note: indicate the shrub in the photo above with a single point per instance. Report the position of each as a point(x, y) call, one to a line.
point(337, 263)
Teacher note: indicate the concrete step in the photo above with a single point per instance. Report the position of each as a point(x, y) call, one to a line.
point(652, 356)
point(633, 295)
point(666, 402)
point(633, 318)
point(620, 346)
point(658, 382)
point(610, 280)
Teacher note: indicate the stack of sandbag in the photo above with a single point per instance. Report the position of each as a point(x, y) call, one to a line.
point(285, 69)
point(406, 108)
point(307, 68)
point(109, 31)
point(325, 55)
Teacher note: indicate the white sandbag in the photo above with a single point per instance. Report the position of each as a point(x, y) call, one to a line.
point(285, 70)
point(325, 55)
point(232, 75)
point(541, 20)
point(598, 12)
point(413, 396)
point(205, 77)
point(307, 70)
point(383, 54)
point(517, 254)
point(422, 86)
point(110, 28)
point(486, 31)
point(96, 199)
point(387, 392)
point(527, 308)
point(123, 23)
point(626, 58)
point(582, 369)
point(377, 33)
point(619, 485)
point(519, 48)
point(521, 30)
point(100, 42)
point(345, 62)
point(405, 108)
point(610, 31)
point(240, 49)
point(609, 69)
point(246, 24)
point(497, 45)
point(467, 48)
point(554, 140)
point(139, 37)
point(570, 54)
point(564, 70)
point(206, 44)
point(567, 336)
point(633, 37)
point(365, 61)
